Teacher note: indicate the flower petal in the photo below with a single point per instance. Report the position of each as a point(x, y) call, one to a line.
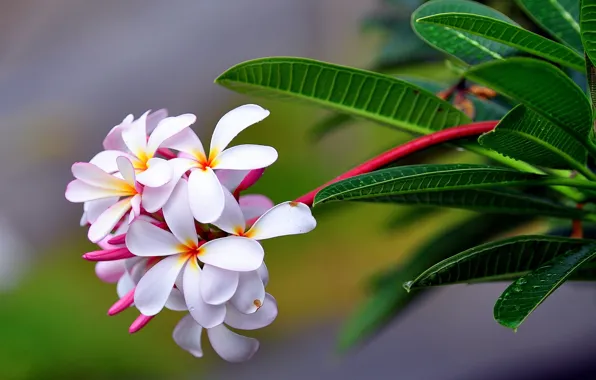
point(234, 122)
point(246, 157)
point(94, 209)
point(176, 301)
point(146, 239)
point(125, 285)
point(254, 205)
point(155, 197)
point(250, 294)
point(288, 218)
point(231, 219)
point(78, 191)
point(127, 170)
point(178, 216)
point(264, 274)
point(257, 320)
point(155, 286)
point(106, 160)
point(205, 314)
point(135, 136)
point(232, 253)
point(186, 141)
point(230, 346)
point(110, 271)
point(206, 196)
point(230, 179)
point(187, 334)
point(154, 118)
point(105, 223)
point(167, 128)
point(113, 140)
point(94, 176)
point(157, 174)
point(218, 285)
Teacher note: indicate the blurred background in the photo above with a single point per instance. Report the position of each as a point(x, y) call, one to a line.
point(70, 70)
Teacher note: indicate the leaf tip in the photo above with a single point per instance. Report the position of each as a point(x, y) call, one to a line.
point(408, 285)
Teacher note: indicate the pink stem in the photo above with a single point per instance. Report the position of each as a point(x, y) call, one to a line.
point(123, 303)
point(406, 149)
point(139, 323)
point(117, 240)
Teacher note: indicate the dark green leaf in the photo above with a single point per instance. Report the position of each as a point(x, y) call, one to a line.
point(591, 75)
point(526, 136)
point(497, 260)
point(360, 93)
point(486, 110)
point(558, 17)
point(588, 27)
point(466, 47)
point(527, 293)
point(508, 34)
point(410, 215)
point(541, 87)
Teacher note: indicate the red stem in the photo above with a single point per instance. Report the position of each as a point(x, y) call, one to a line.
point(408, 148)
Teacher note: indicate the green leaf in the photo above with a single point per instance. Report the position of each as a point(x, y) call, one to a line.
point(464, 46)
point(415, 179)
point(588, 27)
point(360, 93)
point(591, 75)
point(388, 299)
point(526, 136)
point(558, 17)
point(522, 297)
point(541, 87)
point(510, 35)
point(486, 110)
point(497, 260)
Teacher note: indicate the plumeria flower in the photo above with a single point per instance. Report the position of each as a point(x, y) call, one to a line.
point(130, 139)
point(206, 191)
point(92, 184)
point(288, 218)
point(230, 346)
point(221, 258)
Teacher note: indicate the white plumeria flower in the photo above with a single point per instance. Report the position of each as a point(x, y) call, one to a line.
point(222, 259)
point(230, 346)
point(206, 194)
point(288, 218)
point(130, 139)
point(92, 184)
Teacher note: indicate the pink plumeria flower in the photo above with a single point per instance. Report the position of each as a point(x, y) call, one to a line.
point(93, 184)
point(206, 191)
point(222, 259)
point(229, 346)
point(130, 139)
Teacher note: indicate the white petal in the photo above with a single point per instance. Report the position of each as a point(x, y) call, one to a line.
point(288, 218)
point(230, 179)
point(206, 196)
point(154, 118)
point(206, 315)
point(146, 239)
point(232, 253)
point(127, 170)
point(110, 271)
point(78, 191)
point(106, 160)
point(155, 286)
point(83, 221)
point(125, 285)
point(94, 209)
point(135, 205)
point(187, 334)
point(94, 176)
point(234, 122)
point(231, 219)
point(178, 216)
point(246, 157)
point(155, 197)
point(218, 285)
point(257, 320)
point(264, 274)
point(135, 136)
point(157, 174)
point(254, 205)
point(113, 140)
point(105, 223)
point(230, 346)
point(186, 141)
point(176, 301)
point(250, 294)
point(167, 128)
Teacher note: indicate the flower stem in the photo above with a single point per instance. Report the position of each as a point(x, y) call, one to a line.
point(406, 149)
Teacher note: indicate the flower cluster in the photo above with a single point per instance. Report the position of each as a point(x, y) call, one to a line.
point(174, 230)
